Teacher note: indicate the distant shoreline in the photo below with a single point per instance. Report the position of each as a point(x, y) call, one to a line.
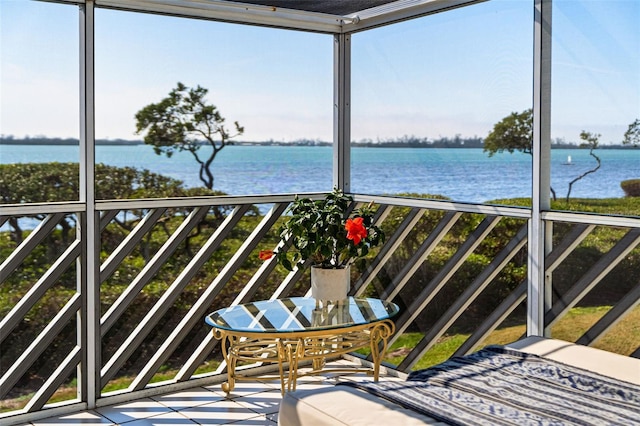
point(64, 142)
point(446, 143)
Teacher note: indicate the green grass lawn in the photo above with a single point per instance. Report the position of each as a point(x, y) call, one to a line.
point(623, 338)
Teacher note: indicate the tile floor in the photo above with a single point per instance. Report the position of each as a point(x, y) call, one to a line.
point(250, 403)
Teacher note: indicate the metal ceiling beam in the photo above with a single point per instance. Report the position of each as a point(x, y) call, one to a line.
point(400, 10)
point(270, 16)
point(233, 12)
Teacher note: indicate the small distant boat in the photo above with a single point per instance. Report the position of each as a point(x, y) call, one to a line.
point(568, 163)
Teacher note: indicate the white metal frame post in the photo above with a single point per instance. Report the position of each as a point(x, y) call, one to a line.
point(89, 269)
point(539, 243)
point(342, 112)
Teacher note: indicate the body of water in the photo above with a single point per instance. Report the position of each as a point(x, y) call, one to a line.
point(460, 174)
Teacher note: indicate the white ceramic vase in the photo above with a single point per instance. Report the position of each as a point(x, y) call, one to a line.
point(330, 284)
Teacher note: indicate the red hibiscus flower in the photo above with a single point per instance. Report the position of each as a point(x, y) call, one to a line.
point(355, 230)
point(265, 254)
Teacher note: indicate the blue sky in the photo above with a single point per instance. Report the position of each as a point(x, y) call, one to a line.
point(452, 73)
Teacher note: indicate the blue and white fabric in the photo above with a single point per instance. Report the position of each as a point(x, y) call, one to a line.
point(499, 386)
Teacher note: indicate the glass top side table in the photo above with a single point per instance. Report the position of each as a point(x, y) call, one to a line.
point(299, 329)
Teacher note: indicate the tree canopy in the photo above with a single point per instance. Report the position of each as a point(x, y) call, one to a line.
point(632, 135)
point(512, 133)
point(184, 121)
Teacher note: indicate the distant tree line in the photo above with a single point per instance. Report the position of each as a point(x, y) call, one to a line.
point(417, 142)
point(43, 140)
point(404, 141)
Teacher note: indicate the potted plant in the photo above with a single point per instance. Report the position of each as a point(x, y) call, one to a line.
point(324, 233)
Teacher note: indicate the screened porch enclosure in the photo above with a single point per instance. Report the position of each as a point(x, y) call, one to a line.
point(114, 310)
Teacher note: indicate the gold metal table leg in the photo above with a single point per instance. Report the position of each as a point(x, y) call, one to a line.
point(318, 363)
point(282, 356)
point(314, 346)
point(228, 343)
point(379, 336)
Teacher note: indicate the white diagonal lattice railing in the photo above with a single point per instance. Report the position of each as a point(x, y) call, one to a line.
point(453, 268)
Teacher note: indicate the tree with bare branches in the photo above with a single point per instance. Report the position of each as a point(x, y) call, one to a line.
point(184, 121)
point(591, 141)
